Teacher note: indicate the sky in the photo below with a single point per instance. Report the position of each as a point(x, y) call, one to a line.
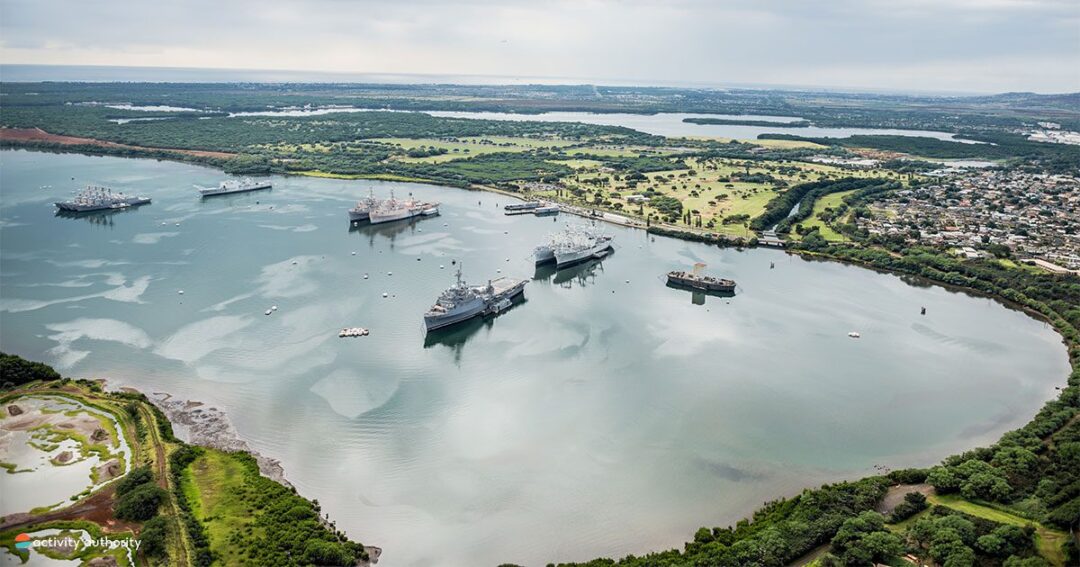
point(977, 46)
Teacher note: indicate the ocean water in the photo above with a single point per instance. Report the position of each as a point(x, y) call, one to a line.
point(607, 414)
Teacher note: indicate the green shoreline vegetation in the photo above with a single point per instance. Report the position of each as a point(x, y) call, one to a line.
point(164, 500)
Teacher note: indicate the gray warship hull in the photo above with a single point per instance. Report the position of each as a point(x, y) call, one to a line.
point(238, 189)
point(125, 203)
point(502, 289)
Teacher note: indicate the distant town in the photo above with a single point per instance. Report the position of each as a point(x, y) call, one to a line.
point(1031, 217)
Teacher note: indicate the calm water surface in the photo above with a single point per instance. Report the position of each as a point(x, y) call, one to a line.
point(607, 414)
point(669, 124)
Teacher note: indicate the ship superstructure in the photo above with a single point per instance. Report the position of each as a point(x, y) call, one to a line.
point(393, 209)
point(95, 198)
point(364, 207)
point(236, 186)
point(586, 241)
point(580, 245)
point(699, 281)
point(461, 301)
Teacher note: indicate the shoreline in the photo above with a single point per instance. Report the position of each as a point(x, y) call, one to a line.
point(211, 426)
point(196, 424)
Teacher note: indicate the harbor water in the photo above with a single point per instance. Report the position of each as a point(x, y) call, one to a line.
point(606, 414)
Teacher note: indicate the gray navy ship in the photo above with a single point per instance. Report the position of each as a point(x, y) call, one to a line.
point(699, 281)
point(95, 198)
point(573, 246)
point(363, 207)
point(394, 210)
point(461, 301)
point(235, 186)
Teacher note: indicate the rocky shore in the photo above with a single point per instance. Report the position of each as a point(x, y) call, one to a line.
point(197, 424)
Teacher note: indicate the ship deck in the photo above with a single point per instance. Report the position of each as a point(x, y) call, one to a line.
point(504, 285)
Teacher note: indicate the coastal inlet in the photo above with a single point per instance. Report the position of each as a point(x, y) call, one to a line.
point(607, 413)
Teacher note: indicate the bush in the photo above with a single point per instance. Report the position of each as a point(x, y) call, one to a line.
point(914, 502)
point(153, 536)
point(16, 371)
point(140, 504)
point(134, 479)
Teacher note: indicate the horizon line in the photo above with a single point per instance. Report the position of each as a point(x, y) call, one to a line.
point(387, 78)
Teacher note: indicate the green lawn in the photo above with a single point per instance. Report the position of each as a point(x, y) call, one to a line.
point(579, 163)
point(213, 484)
point(461, 148)
point(1047, 541)
point(606, 151)
point(831, 200)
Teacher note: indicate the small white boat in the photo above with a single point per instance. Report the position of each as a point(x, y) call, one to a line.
point(353, 332)
point(268, 311)
point(430, 211)
point(854, 335)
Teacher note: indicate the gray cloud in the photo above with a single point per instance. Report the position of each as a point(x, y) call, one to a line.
point(968, 45)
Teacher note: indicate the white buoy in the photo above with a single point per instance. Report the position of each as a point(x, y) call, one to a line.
point(389, 273)
point(441, 266)
point(268, 311)
point(181, 292)
point(385, 295)
point(498, 271)
point(177, 224)
point(273, 307)
point(365, 276)
point(354, 253)
point(294, 262)
point(627, 281)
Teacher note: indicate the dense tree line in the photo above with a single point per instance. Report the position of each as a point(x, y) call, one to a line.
point(863, 187)
point(247, 133)
point(829, 109)
point(804, 195)
point(991, 146)
point(777, 534)
point(16, 371)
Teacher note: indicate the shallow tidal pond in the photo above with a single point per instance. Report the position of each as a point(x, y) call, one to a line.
point(53, 449)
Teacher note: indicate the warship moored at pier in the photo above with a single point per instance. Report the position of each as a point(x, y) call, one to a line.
point(572, 246)
point(580, 247)
point(522, 206)
point(461, 301)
